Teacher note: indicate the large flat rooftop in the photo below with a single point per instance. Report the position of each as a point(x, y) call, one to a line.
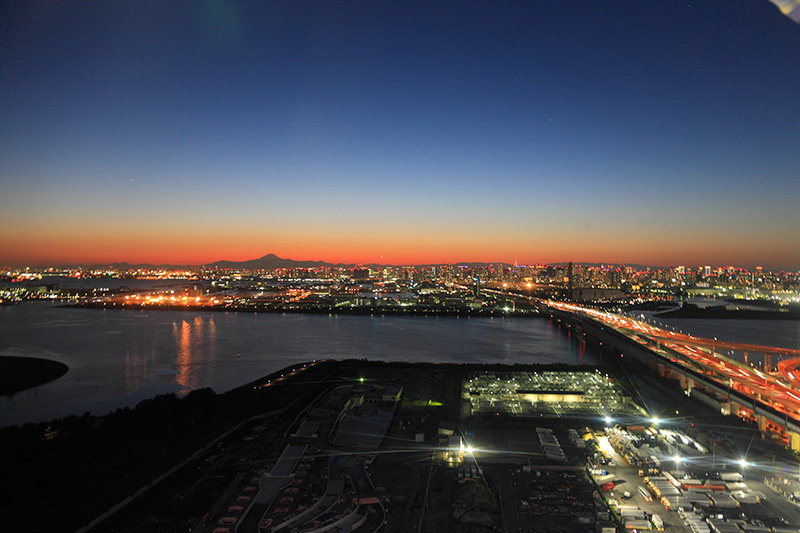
point(563, 393)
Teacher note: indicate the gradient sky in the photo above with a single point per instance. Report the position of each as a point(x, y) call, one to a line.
point(657, 132)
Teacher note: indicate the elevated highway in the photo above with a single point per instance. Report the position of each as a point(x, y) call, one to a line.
point(769, 396)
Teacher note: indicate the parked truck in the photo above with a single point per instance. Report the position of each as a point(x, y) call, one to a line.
point(657, 522)
point(607, 478)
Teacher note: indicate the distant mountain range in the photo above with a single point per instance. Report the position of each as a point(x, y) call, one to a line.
point(272, 261)
point(267, 262)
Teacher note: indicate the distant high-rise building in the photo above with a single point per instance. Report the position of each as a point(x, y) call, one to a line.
point(615, 278)
point(360, 273)
point(570, 274)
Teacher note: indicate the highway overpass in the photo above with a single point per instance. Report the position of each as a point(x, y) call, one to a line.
point(769, 395)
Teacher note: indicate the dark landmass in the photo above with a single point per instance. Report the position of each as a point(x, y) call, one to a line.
point(658, 306)
point(82, 466)
point(20, 373)
point(178, 463)
point(693, 311)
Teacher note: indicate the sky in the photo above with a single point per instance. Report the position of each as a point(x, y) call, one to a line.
point(659, 133)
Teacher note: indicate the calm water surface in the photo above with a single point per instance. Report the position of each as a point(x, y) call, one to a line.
point(117, 358)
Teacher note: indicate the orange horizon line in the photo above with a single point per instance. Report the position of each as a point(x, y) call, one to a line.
point(87, 264)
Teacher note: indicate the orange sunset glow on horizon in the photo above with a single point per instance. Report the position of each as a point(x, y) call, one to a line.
point(486, 132)
point(370, 247)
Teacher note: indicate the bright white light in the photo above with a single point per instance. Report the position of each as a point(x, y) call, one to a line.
point(470, 449)
point(655, 421)
point(742, 462)
point(608, 420)
point(678, 459)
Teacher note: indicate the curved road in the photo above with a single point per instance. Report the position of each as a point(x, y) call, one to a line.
point(781, 390)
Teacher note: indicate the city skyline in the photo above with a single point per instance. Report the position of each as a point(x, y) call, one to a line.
point(541, 132)
point(271, 262)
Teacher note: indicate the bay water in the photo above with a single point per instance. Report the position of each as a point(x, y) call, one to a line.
point(117, 358)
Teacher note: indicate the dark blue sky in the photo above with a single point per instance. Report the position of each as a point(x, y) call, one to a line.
point(644, 132)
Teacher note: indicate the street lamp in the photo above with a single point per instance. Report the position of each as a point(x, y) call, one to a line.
point(743, 464)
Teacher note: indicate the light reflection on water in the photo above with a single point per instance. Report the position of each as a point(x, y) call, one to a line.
point(184, 352)
point(118, 358)
point(195, 343)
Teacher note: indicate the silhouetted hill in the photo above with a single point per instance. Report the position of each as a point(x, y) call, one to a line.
point(271, 261)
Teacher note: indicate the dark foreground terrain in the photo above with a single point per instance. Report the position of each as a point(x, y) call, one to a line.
point(354, 444)
point(78, 468)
